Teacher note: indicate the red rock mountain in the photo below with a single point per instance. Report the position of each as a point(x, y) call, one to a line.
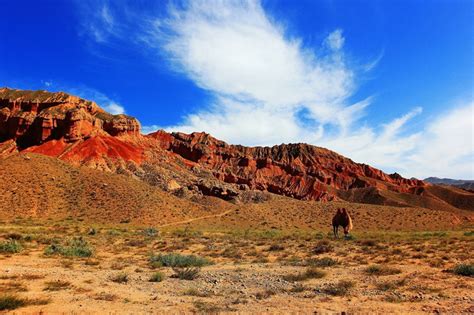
point(80, 132)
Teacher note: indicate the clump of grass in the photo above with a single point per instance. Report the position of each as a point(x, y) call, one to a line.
point(469, 233)
point(186, 232)
point(13, 287)
point(390, 285)
point(178, 260)
point(340, 288)
point(264, 294)
point(10, 246)
point(322, 262)
point(206, 307)
point(76, 247)
point(120, 278)
point(379, 270)
point(298, 288)
point(322, 247)
point(150, 232)
point(309, 273)
point(14, 236)
point(186, 273)
point(11, 302)
point(275, 248)
point(466, 270)
point(196, 292)
point(57, 285)
point(157, 277)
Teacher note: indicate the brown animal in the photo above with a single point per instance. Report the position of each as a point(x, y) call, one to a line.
point(341, 218)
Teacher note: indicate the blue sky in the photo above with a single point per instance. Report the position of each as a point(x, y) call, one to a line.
point(388, 83)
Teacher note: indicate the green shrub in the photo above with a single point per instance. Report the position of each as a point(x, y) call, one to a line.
point(11, 302)
point(379, 270)
point(341, 288)
point(464, 270)
point(322, 262)
point(120, 278)
point(57, 285)
point(186, 273)
point(157, 277)
point(150, 232)
point(309, 273)
point(76, 247)
point(10, 246)
point(178, 260)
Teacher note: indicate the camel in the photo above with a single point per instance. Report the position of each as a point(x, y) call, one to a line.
point(341, 218)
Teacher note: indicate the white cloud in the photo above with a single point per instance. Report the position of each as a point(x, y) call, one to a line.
point(114, 108)
point(335, 40)
point(100, 98)
point(270, 88)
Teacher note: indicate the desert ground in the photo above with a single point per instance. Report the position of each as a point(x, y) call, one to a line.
point(73, 266)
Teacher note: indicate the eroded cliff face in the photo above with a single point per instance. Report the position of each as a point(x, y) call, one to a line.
point(81, 133)
point(35, 117)
point(300, 171)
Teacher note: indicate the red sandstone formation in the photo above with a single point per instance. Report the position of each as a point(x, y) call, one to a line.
point(300, 170)
point(35, 117)
point(80, 132)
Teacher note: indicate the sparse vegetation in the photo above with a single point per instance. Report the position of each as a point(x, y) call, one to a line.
point(178, 260)
point(340, 288)
point(120, 278)
point(186, 273)
point(264, 294)
point(11, 302)
point(57, 285)
point(322, 247)
point(322, 262)
point(309, 273)
point(157, 277)
point(464, 270)
point(10, 246)
point(75, 247)
point(196, 292)
point(380, 270)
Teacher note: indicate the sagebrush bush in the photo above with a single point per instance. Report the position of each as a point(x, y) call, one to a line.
point(10, 246)
point(157, 277)
point(464, 270)
point(322, 262)
point(322, 247)
point(11, 302)
point(380, 270)
point(309, 273)
point(120, 278)
point(75, 247)
point(340, 288)
point(186, 273)
point(178, 260)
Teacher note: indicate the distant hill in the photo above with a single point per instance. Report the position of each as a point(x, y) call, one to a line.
point(459, 183)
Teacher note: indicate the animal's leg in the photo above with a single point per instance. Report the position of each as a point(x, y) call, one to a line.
point(337, 231)
point(334, 231)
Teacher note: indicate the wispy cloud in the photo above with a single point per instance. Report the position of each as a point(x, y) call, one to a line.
point(269, 88)
point(100, 98)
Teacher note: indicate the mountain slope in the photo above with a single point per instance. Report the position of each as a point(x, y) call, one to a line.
point(79, 132)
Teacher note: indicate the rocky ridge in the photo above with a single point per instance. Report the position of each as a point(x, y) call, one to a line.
point(191, 165)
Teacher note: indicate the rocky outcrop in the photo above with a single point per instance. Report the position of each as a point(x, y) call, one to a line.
point(35, 117)
point(192, 165)
point(300, 171)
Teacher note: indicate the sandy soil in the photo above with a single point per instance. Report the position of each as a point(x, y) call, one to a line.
point(251, 271)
